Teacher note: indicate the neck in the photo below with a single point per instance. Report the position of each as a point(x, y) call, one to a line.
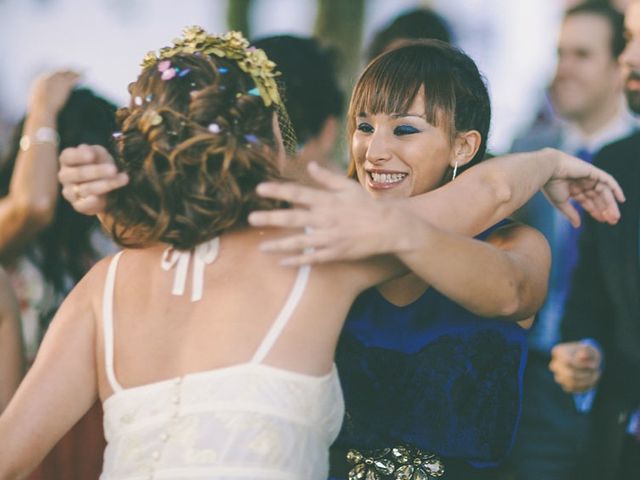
point(599, 119)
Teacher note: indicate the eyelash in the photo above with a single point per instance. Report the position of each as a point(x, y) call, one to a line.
point(365, 127)
point(399, 130)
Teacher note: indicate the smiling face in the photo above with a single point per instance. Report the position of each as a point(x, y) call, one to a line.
point(400, 154)
point(415, 112)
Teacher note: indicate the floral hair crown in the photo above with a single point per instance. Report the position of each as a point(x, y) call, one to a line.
point(231, 45)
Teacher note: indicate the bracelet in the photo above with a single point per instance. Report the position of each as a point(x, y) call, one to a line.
point(41, 136)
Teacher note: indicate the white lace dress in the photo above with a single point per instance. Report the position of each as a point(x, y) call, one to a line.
point(248, 421)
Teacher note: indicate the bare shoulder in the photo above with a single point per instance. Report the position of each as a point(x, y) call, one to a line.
point(87, 294)
point(96, 274)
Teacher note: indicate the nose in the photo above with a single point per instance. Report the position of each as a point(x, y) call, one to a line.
point(564, 67)
point(377, 148)
point(630, 56)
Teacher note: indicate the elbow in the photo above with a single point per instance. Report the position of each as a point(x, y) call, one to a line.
point(500, 187)
point(8, 468)
point(11, 475)
point(515, 306)
point(37, 212)
point(511, 309)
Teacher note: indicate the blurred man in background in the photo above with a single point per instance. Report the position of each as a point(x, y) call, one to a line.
point(600, 356)
point(587, 96)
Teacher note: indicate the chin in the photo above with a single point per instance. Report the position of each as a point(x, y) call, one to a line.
point(633, 98)
point(389, 193)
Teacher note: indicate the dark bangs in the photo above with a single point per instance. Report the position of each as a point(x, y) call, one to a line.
point(391, 82)
point(456, 96)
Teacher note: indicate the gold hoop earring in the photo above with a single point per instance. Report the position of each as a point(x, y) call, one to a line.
point(455, 171)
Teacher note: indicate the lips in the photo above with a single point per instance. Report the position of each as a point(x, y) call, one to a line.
point(633, 84)
point(633, 81)
point(383, 179)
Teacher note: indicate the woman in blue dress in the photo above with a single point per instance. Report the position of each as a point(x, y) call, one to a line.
point(430, 363)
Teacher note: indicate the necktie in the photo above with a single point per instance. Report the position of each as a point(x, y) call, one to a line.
point(584, 154)
point(634, 425)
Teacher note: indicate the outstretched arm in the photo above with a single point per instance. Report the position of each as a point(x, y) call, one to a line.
point(12, 360)
point(495, 188)
point(505, 277)
point(348, 224)
point(59, 388)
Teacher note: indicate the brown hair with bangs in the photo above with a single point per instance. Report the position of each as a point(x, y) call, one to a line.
point(195, 146)
point(455, 93)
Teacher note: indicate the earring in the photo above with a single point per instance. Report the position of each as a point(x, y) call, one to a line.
point(455, 171)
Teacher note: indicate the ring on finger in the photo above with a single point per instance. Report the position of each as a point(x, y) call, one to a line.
point(76, 192)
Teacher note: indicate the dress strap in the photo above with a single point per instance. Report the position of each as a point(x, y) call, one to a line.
point(285, 314)
point(107, 322)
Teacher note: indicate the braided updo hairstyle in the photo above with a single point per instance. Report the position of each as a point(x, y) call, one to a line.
point(195, 143)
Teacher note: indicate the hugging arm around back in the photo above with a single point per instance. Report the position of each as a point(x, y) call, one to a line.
point(503, 277)
point(60, 386)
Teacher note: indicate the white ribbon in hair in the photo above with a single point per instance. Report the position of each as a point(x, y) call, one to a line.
point(203, 254)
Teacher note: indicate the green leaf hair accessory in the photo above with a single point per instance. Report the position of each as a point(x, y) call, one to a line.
point(231, 45)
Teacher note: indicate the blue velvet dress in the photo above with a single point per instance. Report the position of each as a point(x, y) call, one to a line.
point(431, 375)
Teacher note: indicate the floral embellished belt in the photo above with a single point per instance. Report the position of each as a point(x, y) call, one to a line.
point(402, 462)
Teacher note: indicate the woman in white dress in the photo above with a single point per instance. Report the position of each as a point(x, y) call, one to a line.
point(210, 358)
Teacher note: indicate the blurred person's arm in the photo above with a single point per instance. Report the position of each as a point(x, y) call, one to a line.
point(61, 385)
point(11, 351)
point(33, 192)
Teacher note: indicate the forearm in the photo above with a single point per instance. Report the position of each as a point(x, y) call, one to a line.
point(35, 174)
point(33, 191)
point(486, 193)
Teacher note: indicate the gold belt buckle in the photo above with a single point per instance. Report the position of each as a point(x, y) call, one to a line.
point(397, 463)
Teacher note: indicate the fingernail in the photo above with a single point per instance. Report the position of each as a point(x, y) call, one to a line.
point(254, 218)
point(262, 188)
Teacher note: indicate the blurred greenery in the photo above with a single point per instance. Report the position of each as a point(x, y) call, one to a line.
point(339, 23)
point(238, 16)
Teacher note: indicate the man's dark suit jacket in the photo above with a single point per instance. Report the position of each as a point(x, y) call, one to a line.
point(604, 304)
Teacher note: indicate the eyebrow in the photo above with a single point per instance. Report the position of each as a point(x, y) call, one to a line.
point(397, 115)
point(408, 114)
